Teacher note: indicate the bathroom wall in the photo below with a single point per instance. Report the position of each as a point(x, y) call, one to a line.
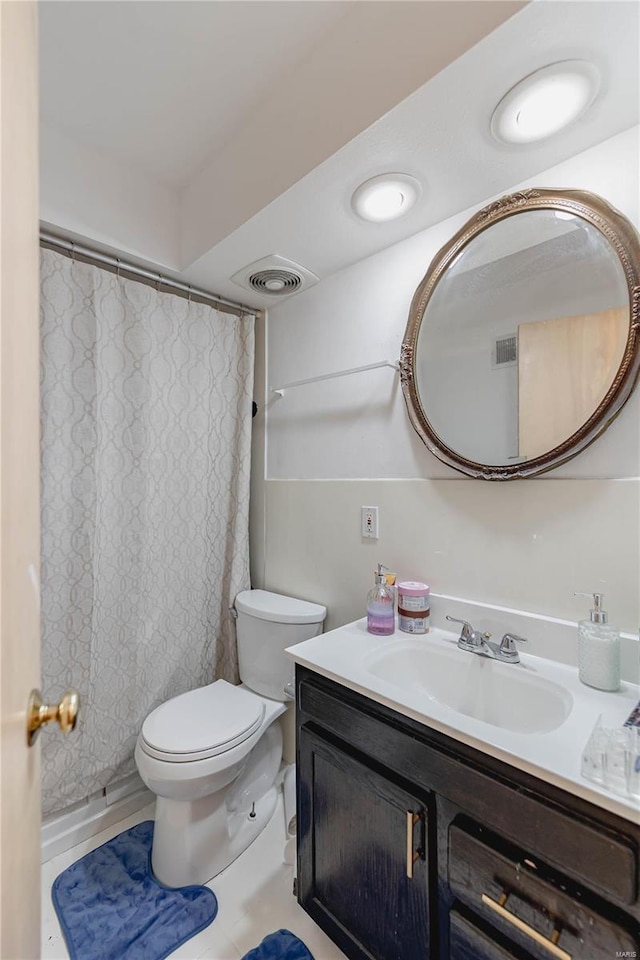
point(324, 450)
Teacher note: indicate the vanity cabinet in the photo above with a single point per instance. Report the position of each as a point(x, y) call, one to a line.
point(369, 835)
point(413, 846)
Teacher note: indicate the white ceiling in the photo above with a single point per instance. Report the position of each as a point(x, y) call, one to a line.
point(260, 118)
point(161, 86)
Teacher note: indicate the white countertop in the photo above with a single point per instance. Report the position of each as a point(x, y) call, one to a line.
point(345, 654)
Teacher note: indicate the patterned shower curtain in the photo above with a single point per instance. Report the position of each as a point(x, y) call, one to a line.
point(146, 428)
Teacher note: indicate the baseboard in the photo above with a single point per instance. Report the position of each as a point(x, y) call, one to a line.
point(85, 820)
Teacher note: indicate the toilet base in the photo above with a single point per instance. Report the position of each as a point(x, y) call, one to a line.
point(194, 840)
point(202, 862)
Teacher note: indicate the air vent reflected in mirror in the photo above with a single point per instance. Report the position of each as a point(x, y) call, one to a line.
point(506, 350)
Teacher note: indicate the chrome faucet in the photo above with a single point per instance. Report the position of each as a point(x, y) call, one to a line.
point(476, 642)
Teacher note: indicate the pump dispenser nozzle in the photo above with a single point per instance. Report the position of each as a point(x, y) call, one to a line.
point(597, 614)
point(380, 574)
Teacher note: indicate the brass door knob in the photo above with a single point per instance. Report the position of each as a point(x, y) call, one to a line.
point(39, 713)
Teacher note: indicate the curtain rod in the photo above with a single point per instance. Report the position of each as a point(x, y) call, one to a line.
point(106, 260)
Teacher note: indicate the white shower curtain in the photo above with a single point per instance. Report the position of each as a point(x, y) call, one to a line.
point(146, 428)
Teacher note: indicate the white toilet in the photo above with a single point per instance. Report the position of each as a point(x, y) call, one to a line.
point(212, 755)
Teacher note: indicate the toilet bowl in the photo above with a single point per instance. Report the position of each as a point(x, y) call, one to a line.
point(212, 755)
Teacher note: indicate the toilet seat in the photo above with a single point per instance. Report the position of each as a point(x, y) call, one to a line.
point(201, 723)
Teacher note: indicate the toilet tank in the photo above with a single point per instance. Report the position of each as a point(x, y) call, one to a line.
point(267, 623)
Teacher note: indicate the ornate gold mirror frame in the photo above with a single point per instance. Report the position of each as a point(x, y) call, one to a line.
point(625, 242)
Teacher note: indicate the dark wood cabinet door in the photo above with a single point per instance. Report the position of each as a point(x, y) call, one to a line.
point(357, 831)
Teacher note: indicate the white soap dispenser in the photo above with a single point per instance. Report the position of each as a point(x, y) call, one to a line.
point(598, 648)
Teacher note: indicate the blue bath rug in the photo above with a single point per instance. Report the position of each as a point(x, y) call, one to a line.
point(281, 945)
point(111, 907)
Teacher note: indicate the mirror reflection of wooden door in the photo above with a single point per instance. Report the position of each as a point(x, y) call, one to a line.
point(565, 367)
point(19, 520)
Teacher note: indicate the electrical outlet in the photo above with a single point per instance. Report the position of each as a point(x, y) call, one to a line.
point(369, 522)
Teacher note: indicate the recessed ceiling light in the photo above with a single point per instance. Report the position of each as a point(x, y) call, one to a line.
point(545, 101)
point(386, 197)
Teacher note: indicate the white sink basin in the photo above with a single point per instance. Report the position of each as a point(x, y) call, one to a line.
point(504, 695)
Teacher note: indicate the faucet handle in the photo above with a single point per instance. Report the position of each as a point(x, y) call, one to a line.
point(467, 629)
point(508, 644)
point(468, 634)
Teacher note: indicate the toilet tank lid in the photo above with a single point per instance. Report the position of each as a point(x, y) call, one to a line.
point(278, 608)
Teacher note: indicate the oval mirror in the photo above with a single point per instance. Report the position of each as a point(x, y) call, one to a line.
point(522, 340)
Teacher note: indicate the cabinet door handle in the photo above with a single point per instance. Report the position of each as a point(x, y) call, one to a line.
point(549, 943)
point(412, 856)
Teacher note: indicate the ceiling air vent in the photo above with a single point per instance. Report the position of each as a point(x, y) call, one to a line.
point(275, 276)
point(275, 281)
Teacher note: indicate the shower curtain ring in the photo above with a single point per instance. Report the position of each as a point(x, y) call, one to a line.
point(73, 250)
point(118, 268)
point(158, 282)
point(189, 297)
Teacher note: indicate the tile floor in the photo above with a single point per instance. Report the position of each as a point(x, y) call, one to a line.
point(254, 899)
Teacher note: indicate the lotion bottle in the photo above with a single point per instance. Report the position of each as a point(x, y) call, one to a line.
point(381, 606)
point(598, 648)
